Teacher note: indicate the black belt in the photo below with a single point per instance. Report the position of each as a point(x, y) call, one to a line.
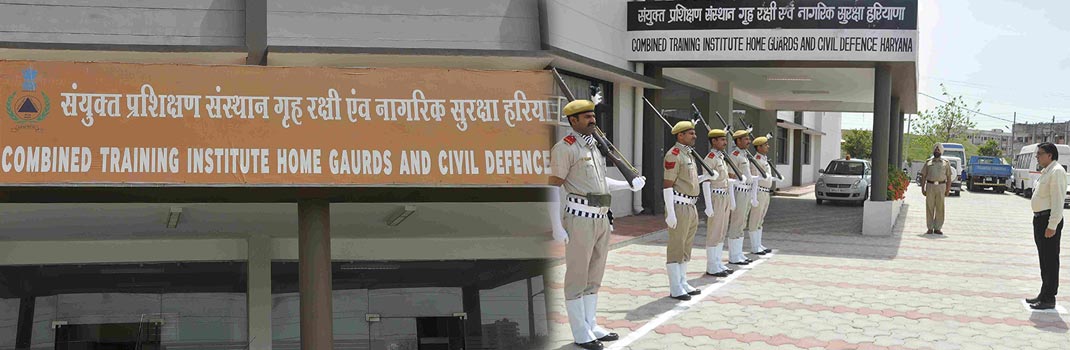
point(935, 182)
point(1042, 213)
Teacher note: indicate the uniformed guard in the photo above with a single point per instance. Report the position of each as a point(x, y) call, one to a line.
point(719, 204)
point(681, 192)
point(578, 173)
point(765, 186)
point(745, 199)
point(937, 185)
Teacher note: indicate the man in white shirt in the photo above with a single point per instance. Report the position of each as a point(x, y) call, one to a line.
point(1047, 204)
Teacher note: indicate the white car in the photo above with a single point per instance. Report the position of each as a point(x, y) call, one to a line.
point(844, 180)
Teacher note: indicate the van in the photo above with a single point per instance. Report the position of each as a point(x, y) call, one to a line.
point(1027, 170)
point(956, 150)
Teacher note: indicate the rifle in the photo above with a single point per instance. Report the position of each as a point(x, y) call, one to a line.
point(693, 153)
point(607, 149)
point(723, 153)
point(771, 167)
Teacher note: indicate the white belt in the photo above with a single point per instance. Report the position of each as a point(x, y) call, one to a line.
point(743, 188)
point(763, 189)
point(721, 191)
point(683, 198)
point(578, 206)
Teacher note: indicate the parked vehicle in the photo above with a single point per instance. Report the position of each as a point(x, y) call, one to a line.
point(956, 168)
point(1027, 170)
point(987, 172)
point(956, 150)
point(844, 180)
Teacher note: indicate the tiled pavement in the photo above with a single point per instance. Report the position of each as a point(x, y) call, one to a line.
point(829, 288)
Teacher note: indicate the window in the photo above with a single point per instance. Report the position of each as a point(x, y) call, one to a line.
point(806, 149)
point(581, 88)
point(782, 146)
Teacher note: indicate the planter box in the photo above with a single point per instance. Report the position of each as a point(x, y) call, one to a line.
point(879, 218)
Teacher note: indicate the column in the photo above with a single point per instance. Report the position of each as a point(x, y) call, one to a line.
point(725, 99)
point(256, 32)
point(882, 100)
point(531, 310)
point(314, 266)
point(902, 135)
point(797, 151)
point(767, 125)
point(24, 328)
point(895, 131)
point(474, 324)
point(258, 295)
point(654, 131)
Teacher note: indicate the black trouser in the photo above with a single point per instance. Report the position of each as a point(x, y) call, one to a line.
point(1048, 250)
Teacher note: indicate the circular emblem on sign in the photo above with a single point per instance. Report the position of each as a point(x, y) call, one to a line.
point(27, 107)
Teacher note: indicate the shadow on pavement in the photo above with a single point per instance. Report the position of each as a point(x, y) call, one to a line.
point(1049, 322)
point(648, 311)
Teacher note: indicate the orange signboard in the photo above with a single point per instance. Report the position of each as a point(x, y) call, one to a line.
point(68, 123)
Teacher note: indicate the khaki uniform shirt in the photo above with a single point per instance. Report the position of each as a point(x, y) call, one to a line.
point(681, 168)
point(577, 160)
point(763, 162)
point(742, 163)
point(715, 160)
point(937, 170)
point(1049, 193)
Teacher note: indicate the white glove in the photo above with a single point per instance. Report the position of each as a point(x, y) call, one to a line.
point(670, 207)
point(707, 177)
point(638, 183)
point(555, 215)
point(616, 185)
point(708, 194)
point(754, 194)
point(732, 184)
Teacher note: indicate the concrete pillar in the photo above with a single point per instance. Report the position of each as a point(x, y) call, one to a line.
point(895, 131)
point(899, 142)
point(256, 32)
point(314, 265)
point(474, 324)
point(654, 131)
point(258, 295)
point(882, 101)
point(24, 328)
point(797, 150)
point(531, 310)
point(723, 102)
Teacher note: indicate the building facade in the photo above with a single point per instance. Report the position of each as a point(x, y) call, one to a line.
point(1002, 138)
point(389, 265)
point(1030, 133)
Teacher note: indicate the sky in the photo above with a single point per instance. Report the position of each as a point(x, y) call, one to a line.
point(1011, 56)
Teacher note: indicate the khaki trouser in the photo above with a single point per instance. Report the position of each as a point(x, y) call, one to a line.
point(681, 237)
point(757, 214)
point(717, 225)
point(585, 255)
point(934, 205)
point(737, 222)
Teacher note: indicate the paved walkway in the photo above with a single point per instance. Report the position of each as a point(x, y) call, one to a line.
point(827, 287)
point(795, 191)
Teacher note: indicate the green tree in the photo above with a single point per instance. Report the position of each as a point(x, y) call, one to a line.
point(857, 143)
point(991, 149)
point(947, 122)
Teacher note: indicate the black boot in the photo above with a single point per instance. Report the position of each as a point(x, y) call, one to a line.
point(591, 345)
point(610, 337)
